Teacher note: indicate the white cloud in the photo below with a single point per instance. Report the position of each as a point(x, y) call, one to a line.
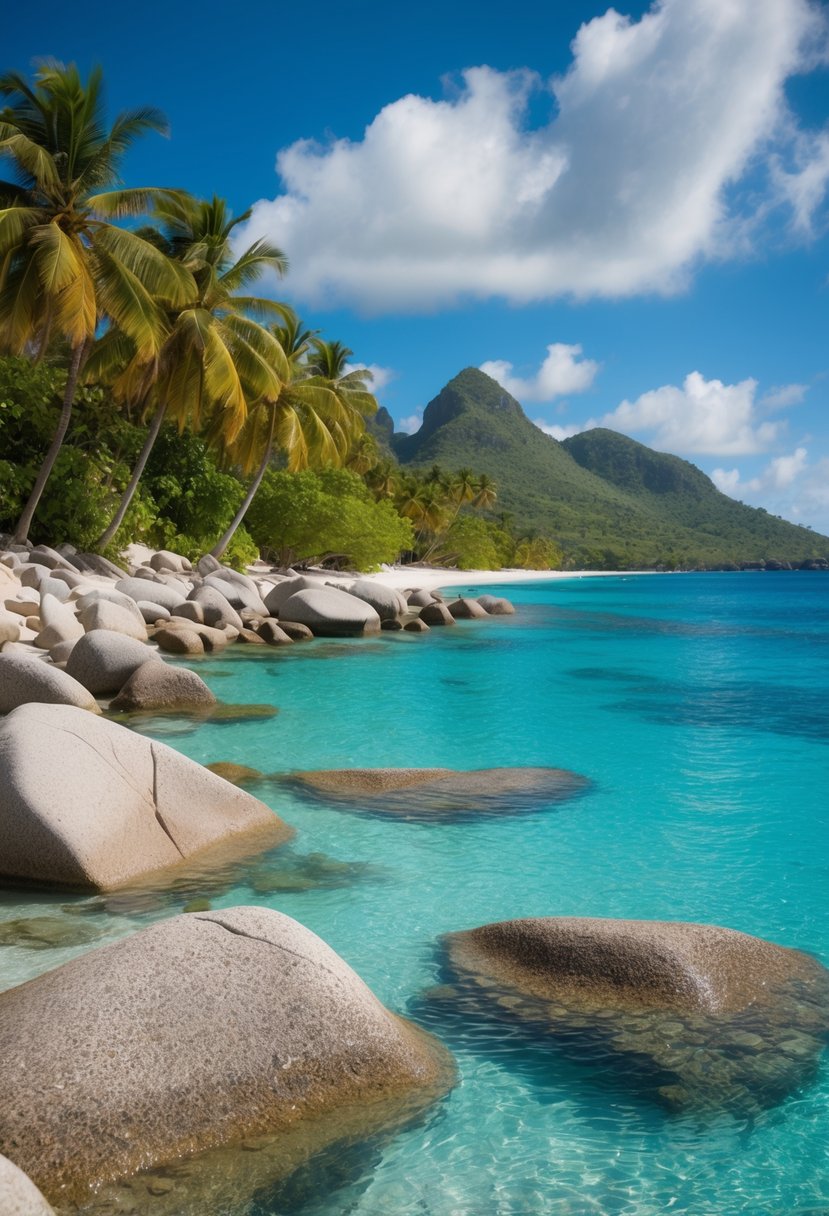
point(780, 396)
point(563, 371)
point(562, 432)
point(789, 485)
point(701, 417)
point(623, 190)
point(381, 375)
point(412, 423)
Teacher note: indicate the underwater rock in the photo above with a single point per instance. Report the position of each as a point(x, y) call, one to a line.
point(45, 933)
point(156, 685)
point(205, 1029)
point(237, 774)
point(701, 1016)
point(439, 794)
point(436, 614)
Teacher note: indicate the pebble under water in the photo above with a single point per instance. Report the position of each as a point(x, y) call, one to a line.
point(697, 709)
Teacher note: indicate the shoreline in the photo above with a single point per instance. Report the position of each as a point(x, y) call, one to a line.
point(433, 578)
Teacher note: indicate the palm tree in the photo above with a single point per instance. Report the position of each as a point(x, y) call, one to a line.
point(312, 418)
point(486, 492)
point(63, 266)
point(215, 358)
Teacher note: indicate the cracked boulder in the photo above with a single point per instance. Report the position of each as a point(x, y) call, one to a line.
point(90, 804)
point(692, 1016)
point(203, 1030)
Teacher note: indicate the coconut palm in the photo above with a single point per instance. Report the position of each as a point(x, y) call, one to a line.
point(486, 492)
point(63, 266)
point(215, 358)
point(312, 418)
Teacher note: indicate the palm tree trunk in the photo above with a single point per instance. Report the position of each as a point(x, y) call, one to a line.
point(24, 524)
point(118, 518)
point(219, 548)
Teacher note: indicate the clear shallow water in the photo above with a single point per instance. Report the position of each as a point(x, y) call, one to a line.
point(698, 706)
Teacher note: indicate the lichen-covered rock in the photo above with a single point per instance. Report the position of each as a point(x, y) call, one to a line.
point(22, 681)
point(103, 661)
point(698, 1014)
point(329, 612)
point(204, 1029)
point(87, 803)
point(18, 1194)
point(436, 613)
point(430, 795)
point(496, 605)
point(157, 685)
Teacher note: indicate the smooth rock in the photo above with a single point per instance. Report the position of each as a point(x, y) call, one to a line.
point(22, 681)
point(102, 614)
point(178, 640)
point(431, 795)
point(103, 661)
point(251, 637)
point(496, 605)
point(61, 652)
point(420, 599)
point(24, 603)
point(386, 601)
point(58, 623)
point(93, 563)
point(85, 802)
point(238, 594)
point(56, 587)
point(466, 610)
point(436, 614)
point(157, 685)
point(391, 625)
point(416, 626)
point(18, 1194)
point(287, 587)
point(10, 624)
point(31, 574)
point(45, 556)
point(216, 608)
point(138, 589)
point(330, 613)
point(272, 633)
point(665, 1000)
point(152, 613)
point(191, 610)
point(237, 774)
point(164, 559)
point(204, 1029)
point(295, 631)
point(208, 564)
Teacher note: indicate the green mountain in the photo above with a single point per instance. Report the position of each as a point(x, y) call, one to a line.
point(604, 498)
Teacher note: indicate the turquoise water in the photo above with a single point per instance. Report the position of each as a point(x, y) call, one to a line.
point(698, 707)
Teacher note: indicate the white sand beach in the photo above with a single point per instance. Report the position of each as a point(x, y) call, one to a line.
point(431, 577)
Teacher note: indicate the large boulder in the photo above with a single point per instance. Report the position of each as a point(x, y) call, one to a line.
point(58, 623)
point(436, 613)
point(385, 601)
point(272, 633)
point(18, 1194)
point(87, 803)
point(10, 623)
point(179, 640)
point(202, 1030)
point(164, 559)
point(434, 795)
point(330, 613)
point(216, 608)
point(466, 610)
point(157, 685)
point(287, 587)
point(103, 661)
point(22, 681)
point(103, 614)
point(496, 605)
point(240, 592)
point(419, 599)
point(45, 556)
point(698, 1014)
point(139, 589)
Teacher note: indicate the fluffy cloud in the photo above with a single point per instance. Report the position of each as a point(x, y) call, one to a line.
point(703, 417)
point(623, 190)
point(563, 432)
point(781, 396)
point(412, 423)
point(381, 376)
point(790, 485)
point(563, 371)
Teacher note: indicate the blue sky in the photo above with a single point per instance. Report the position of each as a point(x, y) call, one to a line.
point(622, 215)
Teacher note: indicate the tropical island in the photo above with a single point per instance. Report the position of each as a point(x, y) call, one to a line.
point(187, 473)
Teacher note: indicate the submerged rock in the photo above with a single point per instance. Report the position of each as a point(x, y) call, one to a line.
point(87, 803)
point(203, 1030)
point(697, 1015)
point(436, 613)
point(440, 794)
point(237, 774)
point(45, 933)
point(156, 685)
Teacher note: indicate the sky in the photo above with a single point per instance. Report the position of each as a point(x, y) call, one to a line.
point(620, 214)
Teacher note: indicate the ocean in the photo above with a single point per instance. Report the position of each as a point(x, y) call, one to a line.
point(697, 707)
